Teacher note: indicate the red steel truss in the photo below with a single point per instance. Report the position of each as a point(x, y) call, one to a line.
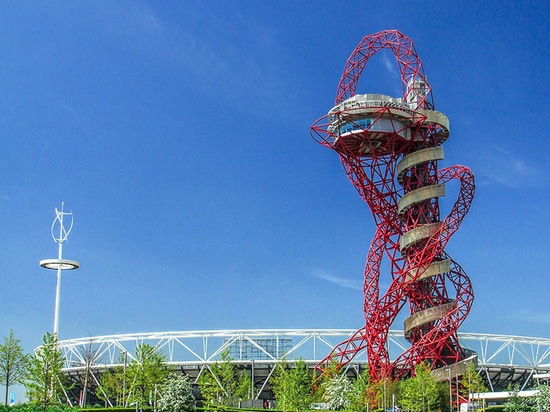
point(390, 148)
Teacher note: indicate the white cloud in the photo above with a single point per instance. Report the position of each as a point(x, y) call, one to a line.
point(390, 64)
point(507, 169)
point(541, 318)
point(346, 283)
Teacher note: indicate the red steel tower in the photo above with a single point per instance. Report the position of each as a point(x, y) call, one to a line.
point(390, 148)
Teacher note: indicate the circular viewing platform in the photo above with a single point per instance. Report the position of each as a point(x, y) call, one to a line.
point(63, 264)
point(371, 124)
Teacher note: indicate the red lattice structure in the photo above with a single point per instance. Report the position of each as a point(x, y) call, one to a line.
point(390, 148)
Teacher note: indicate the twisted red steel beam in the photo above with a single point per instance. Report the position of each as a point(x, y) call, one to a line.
point(410, 65)
point(382, 141)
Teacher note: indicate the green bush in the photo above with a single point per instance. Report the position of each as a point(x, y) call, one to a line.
point(104, 409)
point(32, 408)
point(222, 408)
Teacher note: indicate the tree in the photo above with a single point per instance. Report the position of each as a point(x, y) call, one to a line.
point(44, 380)
point(382, 392)
point(110, 387)
point(223, 384)
point(13, 363)
point(472, 382)
point(363, 394)
point(212, 392)
point(338, 392)
point(113, 383)
point(516, 403)
point(292, 387)
point(145, 373)
point(542, 398)
point(90, 355)
point(421, 392)
point(176, 395)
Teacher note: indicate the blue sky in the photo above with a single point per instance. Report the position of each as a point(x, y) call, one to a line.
point(177, 133)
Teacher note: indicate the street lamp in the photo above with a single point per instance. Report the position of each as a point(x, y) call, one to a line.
point(59, 264)
point(124, 378)
point(450, 391)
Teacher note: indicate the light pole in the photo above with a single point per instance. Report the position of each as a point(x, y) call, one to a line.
point(450, 391)
point(252, 397)
point(59, 264)
point(124, 379)
point(457, 389)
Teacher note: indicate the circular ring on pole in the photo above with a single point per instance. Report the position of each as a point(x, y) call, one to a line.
point(63, 264)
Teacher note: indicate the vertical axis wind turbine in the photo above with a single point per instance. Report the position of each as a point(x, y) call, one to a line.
point(59, 264)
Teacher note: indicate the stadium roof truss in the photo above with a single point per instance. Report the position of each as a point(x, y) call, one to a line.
point(502, 359)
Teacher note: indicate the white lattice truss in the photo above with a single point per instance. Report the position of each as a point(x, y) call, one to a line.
point(196, 350)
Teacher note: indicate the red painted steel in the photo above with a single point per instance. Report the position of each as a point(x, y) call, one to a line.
point(371, 135)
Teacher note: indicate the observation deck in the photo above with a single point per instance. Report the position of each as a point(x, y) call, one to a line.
point(376, 124)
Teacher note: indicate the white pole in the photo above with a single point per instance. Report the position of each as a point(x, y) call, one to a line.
point(58, 288)
point(57, 299)
point(457, 398)
point(450, 391)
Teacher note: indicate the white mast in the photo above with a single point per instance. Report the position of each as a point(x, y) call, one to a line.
point(59, 264)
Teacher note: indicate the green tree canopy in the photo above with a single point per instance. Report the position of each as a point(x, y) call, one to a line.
point(293, 388)
point(223, 384)
point(542, 399)
point(363, 394)
point(113, 387)
point(472, 382)
point(13, 363)
point(384, 391)
point(44, 380)
point(145, 373)
point(421, 392)
point(516, 403)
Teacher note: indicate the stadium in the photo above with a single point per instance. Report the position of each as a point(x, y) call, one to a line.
point(502, 359)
